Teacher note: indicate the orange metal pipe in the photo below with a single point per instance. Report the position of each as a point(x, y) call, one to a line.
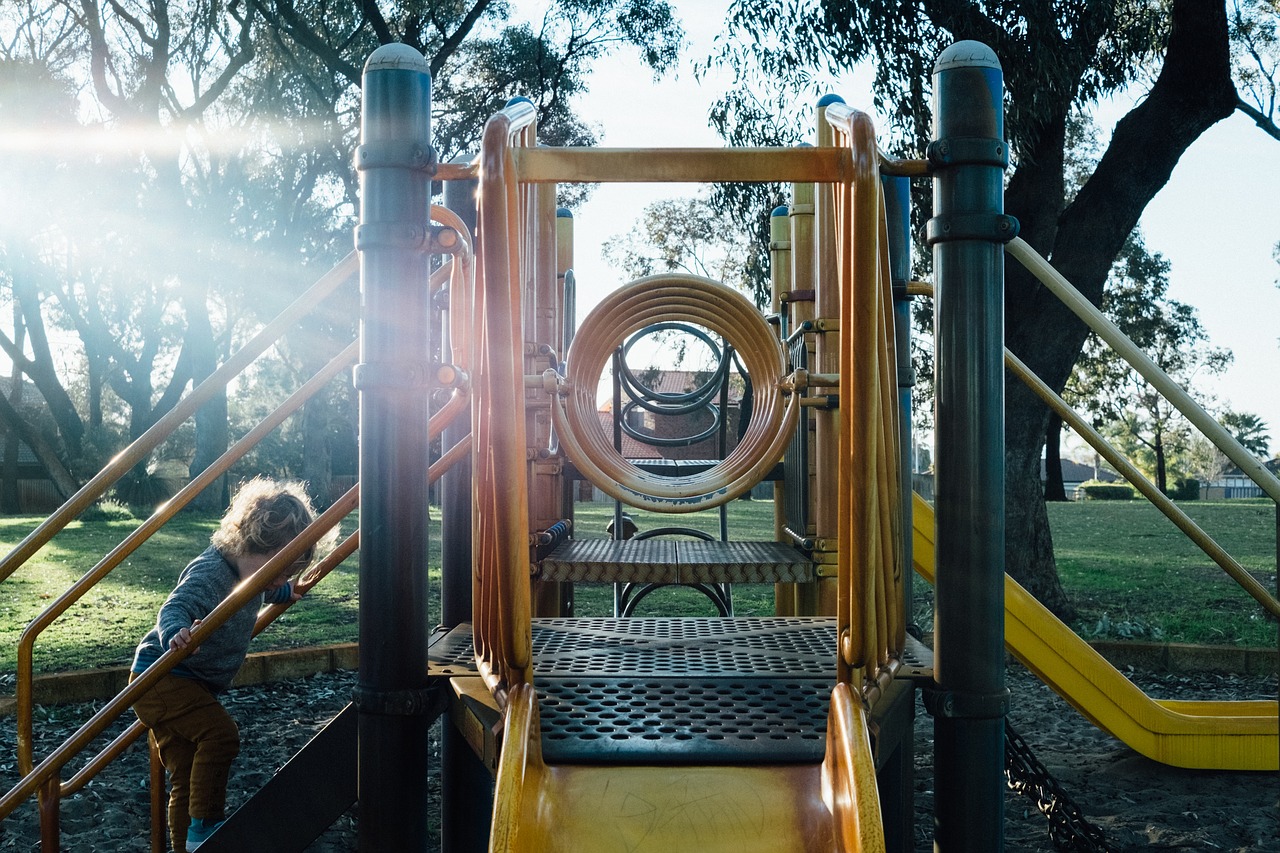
point(26, 642)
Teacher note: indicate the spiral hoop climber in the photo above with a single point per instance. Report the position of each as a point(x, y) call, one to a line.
point(663, 298)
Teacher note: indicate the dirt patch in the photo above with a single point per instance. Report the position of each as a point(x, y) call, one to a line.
point(1137, 803)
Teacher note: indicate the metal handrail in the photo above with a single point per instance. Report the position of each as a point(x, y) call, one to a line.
point(269, 614)
point(1194, 532)
point(160, 430)
point(1129, 471)
point(503, 642)
point(239, 597)
point(869, 608)
point(1141, 362)
point(26, 642)
point(40, 777)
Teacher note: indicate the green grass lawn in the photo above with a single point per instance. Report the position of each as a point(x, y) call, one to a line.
point(1132, 574)
point(1128, 570)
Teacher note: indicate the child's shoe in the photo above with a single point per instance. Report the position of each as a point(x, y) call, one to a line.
point(199, 832)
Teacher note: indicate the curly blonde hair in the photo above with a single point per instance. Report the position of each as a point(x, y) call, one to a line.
point(264, 516)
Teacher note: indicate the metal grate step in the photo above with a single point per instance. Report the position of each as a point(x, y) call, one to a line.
point(678, 721)
point(673, 561)
point(680, 690)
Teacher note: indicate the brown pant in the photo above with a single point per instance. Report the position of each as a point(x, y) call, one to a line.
point(198, 741)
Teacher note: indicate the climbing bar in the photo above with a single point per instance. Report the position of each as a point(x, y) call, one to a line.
point(501, 585)
point(870, 567)
point(693, 165)
point(1142, 363)
point(1184, 523)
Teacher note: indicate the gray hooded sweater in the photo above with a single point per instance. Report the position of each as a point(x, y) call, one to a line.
point(202, 586)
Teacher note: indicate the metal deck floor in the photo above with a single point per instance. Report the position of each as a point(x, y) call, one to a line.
point(678, 690)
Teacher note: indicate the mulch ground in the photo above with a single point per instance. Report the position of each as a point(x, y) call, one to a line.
point(1137, 804)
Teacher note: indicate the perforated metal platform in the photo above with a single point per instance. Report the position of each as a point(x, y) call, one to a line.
point(740, 647)
point(704, 690)
point(671, 720)
point(671, 561)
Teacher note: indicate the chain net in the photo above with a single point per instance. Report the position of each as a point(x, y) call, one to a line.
point(1069, 830)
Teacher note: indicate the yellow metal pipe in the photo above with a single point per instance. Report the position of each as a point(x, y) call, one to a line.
point(1171, 510)
point(829, 280)
point(1160, 380)
point(860, 322)
point(26, 641)
point(149, 440)
point(501, 460)
point(691, 165)
point(1193, 531)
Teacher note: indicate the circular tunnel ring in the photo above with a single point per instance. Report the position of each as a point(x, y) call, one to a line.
point(675, 297)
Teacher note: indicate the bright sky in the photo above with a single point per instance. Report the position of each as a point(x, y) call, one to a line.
point(1216, 221)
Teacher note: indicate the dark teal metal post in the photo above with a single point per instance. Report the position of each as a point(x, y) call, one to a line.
point(896, 770)
point(897, 201)
point(396, 165)
point(966, 232)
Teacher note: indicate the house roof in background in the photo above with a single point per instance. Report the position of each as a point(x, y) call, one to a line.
point(1076, 472)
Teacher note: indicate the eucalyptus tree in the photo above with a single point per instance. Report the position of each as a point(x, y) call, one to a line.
point(1059, 57)
point(1119, 400)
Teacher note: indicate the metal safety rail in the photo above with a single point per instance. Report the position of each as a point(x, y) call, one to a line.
point(44, 778)
point(1169, 388)
point(870, 616)
point(511, 169)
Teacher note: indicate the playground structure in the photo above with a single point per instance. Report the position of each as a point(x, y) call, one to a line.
point(790, 732)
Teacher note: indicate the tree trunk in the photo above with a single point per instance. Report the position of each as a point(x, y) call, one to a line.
point(317, 461)
point(1162, 471)
point(1193, 92)
point(213, 433)
point(1054, 488)
point(63, 480)
point(10, 497)
point(40, 368)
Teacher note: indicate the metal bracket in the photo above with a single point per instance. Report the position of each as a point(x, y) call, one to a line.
point(432, 239)
point(399, 703)
point(973, 706)
point(992, 228)
point(396, 155)
point(967, 151)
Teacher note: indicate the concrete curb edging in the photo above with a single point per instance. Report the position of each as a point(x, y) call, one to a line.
point(1184, 657)
point(93, 685)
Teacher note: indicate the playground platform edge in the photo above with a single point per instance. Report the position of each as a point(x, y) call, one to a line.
point(278, 665)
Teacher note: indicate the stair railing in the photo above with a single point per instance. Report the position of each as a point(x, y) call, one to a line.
point(1222, 439)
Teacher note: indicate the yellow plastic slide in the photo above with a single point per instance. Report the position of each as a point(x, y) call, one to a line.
point(1201, 735)
point(660, 809)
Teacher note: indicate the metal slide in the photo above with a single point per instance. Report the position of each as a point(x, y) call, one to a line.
point(832, 805)
point(1201, 735)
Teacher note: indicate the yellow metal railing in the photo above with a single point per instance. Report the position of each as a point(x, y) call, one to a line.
point(202, 393)
point(1174, 393)
point(870, 621)
point(1192, 410)
point(44, 777)
point(501, 626)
